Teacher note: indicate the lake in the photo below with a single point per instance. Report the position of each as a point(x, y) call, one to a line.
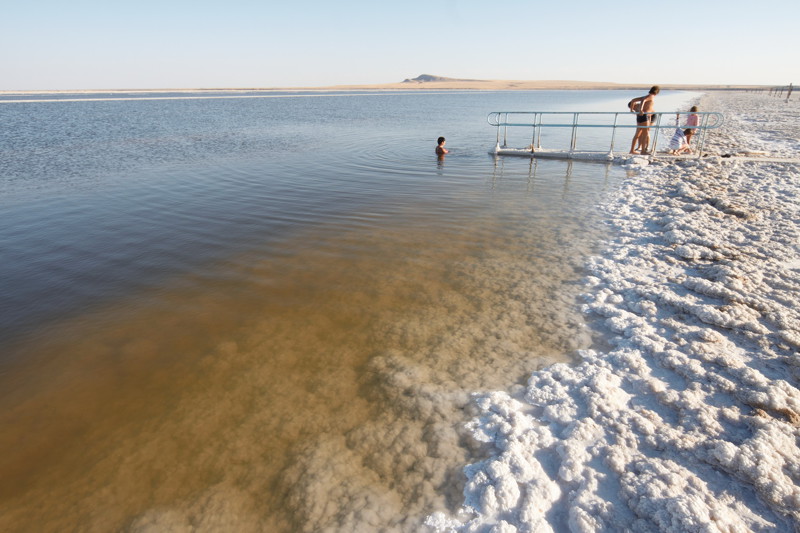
point(267, 311)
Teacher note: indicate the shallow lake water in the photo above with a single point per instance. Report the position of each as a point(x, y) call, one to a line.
point(268, 313)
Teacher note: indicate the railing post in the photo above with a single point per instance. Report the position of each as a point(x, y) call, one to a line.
point(497, 144)
point(655, 137)
point(537, 119)
point(704, 122)
point(613, 133)
point(505, 132)
point(574, 132)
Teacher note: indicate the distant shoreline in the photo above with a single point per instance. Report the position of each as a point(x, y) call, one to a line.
point(477, 85)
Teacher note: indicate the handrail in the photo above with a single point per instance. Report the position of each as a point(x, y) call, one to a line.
point(505, 119)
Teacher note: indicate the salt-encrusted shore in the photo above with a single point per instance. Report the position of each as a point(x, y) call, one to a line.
point(690, 419)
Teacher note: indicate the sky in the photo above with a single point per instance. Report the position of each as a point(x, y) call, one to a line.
point(148, 44)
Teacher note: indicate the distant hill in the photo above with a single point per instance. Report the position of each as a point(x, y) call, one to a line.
point(425, 78)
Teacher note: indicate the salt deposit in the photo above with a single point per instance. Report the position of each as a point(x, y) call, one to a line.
point(690, 420)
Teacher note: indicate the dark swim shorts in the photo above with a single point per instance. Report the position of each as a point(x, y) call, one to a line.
point(644, 119)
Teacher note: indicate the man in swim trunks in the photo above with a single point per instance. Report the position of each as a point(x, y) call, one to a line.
point(643, 107)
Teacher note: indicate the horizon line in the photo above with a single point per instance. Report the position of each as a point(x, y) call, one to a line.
point(436, 84)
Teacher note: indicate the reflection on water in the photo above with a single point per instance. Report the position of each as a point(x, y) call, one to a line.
point(268, 387)
point(300, 356)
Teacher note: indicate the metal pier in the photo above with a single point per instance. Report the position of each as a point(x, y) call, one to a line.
point(536, 121)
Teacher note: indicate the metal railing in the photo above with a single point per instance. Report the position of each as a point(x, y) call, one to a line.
point(536, 120)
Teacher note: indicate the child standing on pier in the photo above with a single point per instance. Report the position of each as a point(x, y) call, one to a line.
point(691, 120)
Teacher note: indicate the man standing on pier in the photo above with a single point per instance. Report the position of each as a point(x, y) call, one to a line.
point(643, 107)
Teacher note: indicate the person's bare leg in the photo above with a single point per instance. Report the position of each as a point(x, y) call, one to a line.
point(644, 140)
point(636, 139)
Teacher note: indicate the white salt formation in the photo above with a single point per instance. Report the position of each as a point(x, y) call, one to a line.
point(690, 420)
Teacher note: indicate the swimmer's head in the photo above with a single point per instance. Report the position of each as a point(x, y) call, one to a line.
point(440, 141)
point(655, 89)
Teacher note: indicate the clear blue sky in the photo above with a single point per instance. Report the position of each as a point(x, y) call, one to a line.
point(88, 44)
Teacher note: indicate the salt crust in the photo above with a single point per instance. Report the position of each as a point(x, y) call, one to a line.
point(691, 421)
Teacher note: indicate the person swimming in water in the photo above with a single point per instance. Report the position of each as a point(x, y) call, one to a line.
point(440, 149)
